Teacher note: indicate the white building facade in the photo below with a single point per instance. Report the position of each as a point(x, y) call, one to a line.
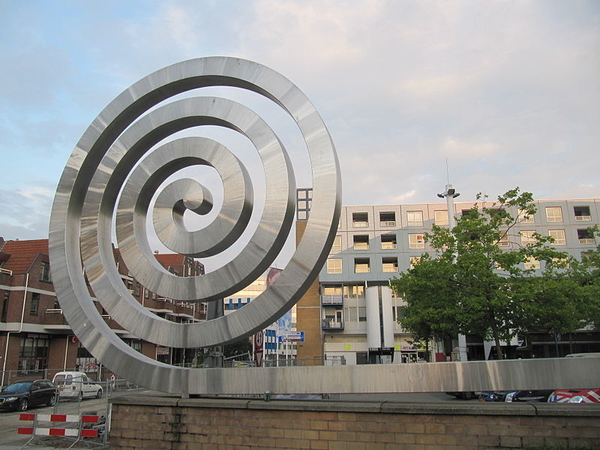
point(359, 311)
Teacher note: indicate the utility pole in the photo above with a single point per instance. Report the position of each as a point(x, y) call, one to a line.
point(450, 194)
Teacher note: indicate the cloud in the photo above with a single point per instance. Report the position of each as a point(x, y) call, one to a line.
point(461, 150)
point(25, 214)
point(508, 92)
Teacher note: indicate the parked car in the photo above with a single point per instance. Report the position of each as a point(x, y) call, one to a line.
point(515, 396)
point(76, 385)
point(24, 394)
point(492, 396)
point(528, 396)
point(468, 395)
point(575, 396)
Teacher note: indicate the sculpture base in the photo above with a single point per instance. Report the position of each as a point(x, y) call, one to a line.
point(161, 422)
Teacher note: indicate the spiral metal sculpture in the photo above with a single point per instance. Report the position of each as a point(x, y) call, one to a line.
point(118, 168)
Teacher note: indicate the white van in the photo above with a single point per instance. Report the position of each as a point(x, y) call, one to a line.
point(76, 385)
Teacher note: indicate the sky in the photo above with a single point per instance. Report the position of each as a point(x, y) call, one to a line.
point(486, 95)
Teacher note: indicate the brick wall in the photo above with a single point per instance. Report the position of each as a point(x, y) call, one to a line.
point(308, 318)
point(182, 424)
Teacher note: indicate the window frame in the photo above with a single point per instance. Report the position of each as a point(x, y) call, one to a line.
point(553, 218)
point(331, 269)
point(419, 241)
point(363, 263)
point(558, 240)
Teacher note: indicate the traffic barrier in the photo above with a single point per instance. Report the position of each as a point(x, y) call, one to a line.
point(44, 425)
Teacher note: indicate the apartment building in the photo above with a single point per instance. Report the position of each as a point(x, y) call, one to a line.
point(277, 348)
point(359, 312)
point(35, 338)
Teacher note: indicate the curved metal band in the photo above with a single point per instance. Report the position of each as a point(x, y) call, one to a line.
point(72, 218)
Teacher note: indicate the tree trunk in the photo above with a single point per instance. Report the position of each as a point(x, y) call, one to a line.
point(499, 353)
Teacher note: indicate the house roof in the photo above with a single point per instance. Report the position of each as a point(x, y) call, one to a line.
point(23, 253)
point(170, 259)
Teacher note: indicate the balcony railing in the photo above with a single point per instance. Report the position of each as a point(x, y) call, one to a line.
point(583, 218)
point(389, 246)
point(387, 223)
point(331, 324)
point(332, 299)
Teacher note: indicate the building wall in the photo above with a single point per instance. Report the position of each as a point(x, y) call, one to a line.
point(242, 424)
point(23, 284)
point(308, 318)
point(376, 242)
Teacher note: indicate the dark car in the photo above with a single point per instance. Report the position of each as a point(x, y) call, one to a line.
point(515, 396)
point(24, 394)
point(467, 395)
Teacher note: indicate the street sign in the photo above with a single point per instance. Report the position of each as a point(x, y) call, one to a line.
point(292, 337)
point(258, 348)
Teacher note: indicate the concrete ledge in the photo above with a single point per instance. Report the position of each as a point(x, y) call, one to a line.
point(472, 408)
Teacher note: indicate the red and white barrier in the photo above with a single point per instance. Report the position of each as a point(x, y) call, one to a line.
point(44, 430)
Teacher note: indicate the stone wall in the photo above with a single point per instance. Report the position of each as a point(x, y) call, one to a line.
point(155, 422)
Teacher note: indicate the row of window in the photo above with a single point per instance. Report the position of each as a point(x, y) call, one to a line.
point(417, 240)
point(388, 265)
point(415, 218)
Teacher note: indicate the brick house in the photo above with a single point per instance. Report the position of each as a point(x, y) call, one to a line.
point(36, 340)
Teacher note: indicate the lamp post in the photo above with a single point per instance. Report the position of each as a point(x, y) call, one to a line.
point(450, 194)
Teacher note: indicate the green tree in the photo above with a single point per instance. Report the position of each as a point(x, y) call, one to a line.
point(481, 273)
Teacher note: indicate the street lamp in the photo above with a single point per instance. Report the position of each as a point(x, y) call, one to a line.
point(450, 194)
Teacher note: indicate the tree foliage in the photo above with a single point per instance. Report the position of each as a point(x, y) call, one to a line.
point(482, 278)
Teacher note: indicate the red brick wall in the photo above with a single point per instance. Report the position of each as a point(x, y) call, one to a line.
point(176, 424)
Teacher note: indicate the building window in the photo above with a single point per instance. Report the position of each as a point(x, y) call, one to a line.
point(362, 265)
point(582, 213)
point(332, 290)
point(532, 263)
point(35, 304)
point(360, 220)
point(387, 219)
point(45, 272)
point(416, 241)
point(362, 313)
point(398, 313)
point(304, 203)
point(334, 265)
point(414, 260)
point(361, 242)
point(136, 293)
point(585, 236)
point(4, 316)
point(388, 242)
point(337, 244)
point(441, 217)
point(414, 218)
point(33, 356)
point(554, 214)
point(524, 217)
point(558, 236)
point(528, 237)
point(354, 291)
point(389, 264)
point(503, 241)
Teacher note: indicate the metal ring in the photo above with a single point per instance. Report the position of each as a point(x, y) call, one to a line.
point(102, 165)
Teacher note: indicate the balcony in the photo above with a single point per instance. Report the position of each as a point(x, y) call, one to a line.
point(332, 324)
point(583, 218)
point(332, 300)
